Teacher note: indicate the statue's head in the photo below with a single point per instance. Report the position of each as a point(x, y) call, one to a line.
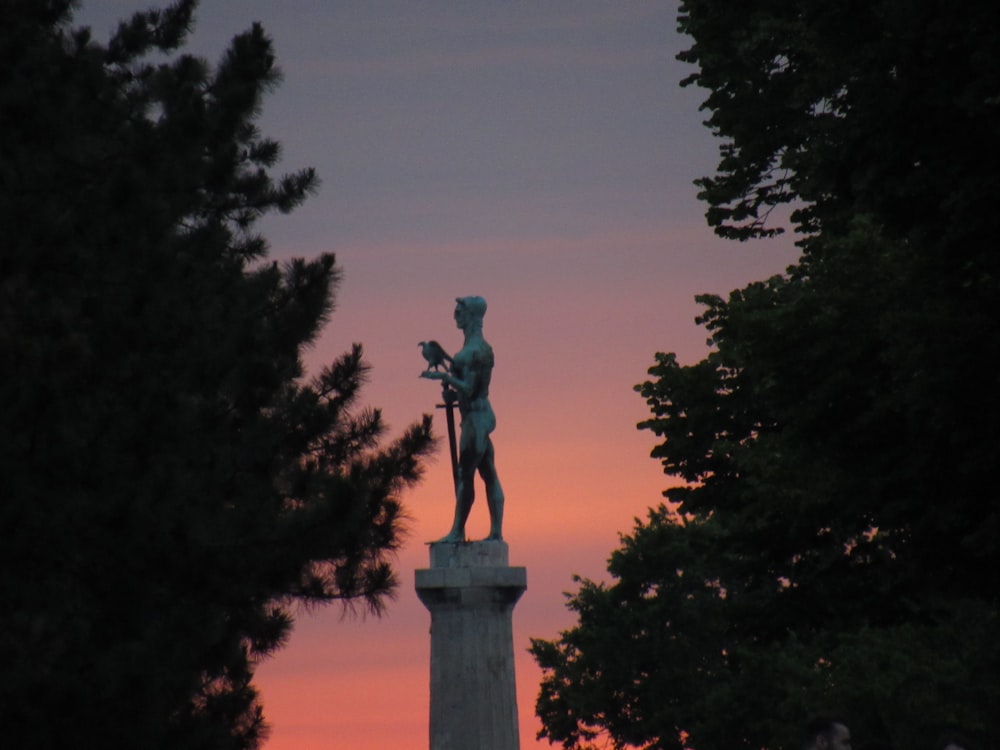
point(469, 310)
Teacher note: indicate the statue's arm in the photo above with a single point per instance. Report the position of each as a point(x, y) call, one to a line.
point(465, 385)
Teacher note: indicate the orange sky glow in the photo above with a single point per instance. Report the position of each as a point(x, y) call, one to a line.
point(540, 155)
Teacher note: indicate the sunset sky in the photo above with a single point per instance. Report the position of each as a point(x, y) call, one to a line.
point(540, 154)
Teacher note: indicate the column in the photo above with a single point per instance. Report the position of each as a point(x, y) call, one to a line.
point(471, 591)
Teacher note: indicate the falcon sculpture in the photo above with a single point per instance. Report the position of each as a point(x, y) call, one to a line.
point(434, 354)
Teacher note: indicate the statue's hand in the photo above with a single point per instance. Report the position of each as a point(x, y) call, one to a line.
point(432, 375)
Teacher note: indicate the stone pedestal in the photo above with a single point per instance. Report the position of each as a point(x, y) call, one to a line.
point(471, 591)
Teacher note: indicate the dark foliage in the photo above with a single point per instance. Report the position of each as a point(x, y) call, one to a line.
point(835, 543)
point(172, 484)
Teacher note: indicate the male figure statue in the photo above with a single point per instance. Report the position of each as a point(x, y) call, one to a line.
point(469, 375)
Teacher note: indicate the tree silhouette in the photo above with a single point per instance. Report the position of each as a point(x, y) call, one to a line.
point(835, 543)
point(172, 482)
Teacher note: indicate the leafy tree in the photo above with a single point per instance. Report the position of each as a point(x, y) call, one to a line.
point(173, 484)
point(834, 543)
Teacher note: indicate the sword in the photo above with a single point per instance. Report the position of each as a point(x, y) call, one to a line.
point(449, 396)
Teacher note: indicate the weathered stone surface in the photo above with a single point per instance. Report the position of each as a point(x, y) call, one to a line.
point(484, 554)
point(471, 592)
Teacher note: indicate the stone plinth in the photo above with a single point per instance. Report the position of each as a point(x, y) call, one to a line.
point(471, 591)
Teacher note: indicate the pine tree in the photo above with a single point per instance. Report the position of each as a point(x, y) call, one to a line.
point(172, 481)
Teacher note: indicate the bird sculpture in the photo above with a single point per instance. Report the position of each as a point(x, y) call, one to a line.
point(434, 354)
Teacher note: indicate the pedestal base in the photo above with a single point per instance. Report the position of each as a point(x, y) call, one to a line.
point(471, 591)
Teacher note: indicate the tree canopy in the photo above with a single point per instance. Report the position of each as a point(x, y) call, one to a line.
point(173, 481)
point(835, 542)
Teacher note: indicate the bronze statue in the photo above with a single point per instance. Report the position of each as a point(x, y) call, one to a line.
point(467, 381)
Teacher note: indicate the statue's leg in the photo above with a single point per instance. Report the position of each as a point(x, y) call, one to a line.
point(465, 497)
point(494, 492)
point(465, 492)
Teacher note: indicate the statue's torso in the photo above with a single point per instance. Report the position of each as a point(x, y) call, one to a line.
point(474, 365)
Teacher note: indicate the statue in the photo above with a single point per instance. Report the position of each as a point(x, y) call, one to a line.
point(467, 382)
